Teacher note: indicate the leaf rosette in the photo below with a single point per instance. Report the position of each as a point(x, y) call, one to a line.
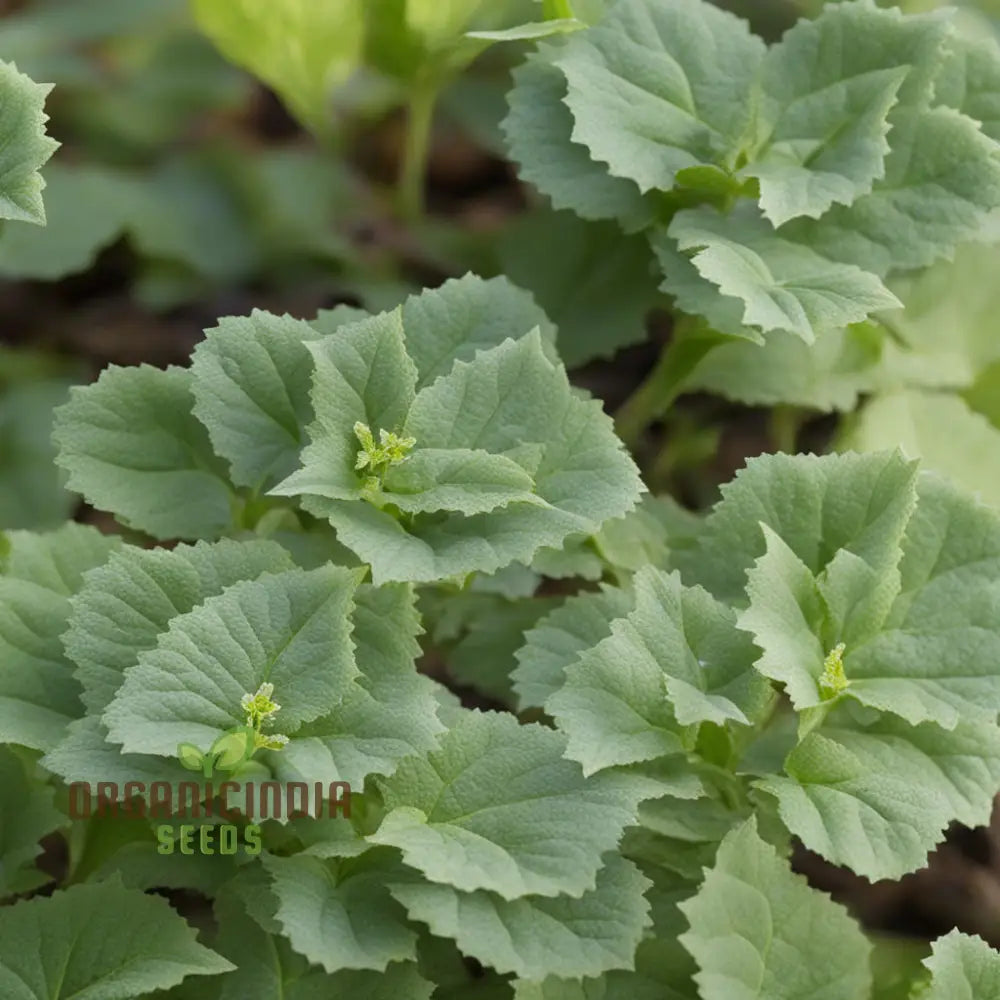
point(779, 185)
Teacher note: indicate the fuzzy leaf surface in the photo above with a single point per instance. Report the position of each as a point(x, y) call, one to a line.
point(499, 808)
point(290, 629)
point(646, 93)
point(125, 605)
point(38, 694)
point(132, 446)
point(963, 967)
point(25, 146)
point(673, 661)
point(783, 285)
point(250, 380)
point(537, 936)
point(339, 914)
point(71, 946)
point(760, 932)
point(389, 712)
point(559, 639)
point(827, 90)
point(877, 796)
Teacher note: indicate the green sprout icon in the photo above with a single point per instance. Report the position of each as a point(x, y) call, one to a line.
point(238, 745)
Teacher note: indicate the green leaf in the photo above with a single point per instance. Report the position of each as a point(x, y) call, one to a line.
point(936, 657)
point(31, 486)
point(38, 694)
point(464, 316)
point(25, 146)
point(963, 967)
point(786, 618)
point(466, 480)
point(86, 209)
point(938, 428)
point(594, 281)
point(663, 969)
point(267, 966)
point(942, 178)
point(56, 561)
point(560, 638)
point(139, 864)
point(401, 979)
point(827, 89)
point(697, 296)
point(646, 93)
point(497, 807)
point(484, 657)
point(363, 375)
point(641, 537)
point(187, 219)
point(538, 131)
point(300, 49)
point(82, 753)
point(70, 945)
point(782, 285)
point(440, 22)
point(537, 937)
point(27, 813)
point(674, 661)
point(339, 913)
point(969, 80)
point(250, 381)
point(759, 931)
point(511, 400)
point(896, 965)
point(826, 375)
point(264, 963)
point(953, 295)
point(124, 606)
point(388, 714)
point(913, 609)
point(290, 629)
point(131, 446)
point(877, 795)
point(817, 505)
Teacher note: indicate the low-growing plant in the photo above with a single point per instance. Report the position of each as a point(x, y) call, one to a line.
point(778, 188)
point(245, 699)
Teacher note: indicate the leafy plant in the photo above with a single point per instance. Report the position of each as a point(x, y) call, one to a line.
point(418, 46)
point(778, 186)
point(853, 584)
point(354, 509)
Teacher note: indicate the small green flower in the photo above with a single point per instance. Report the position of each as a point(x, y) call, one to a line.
point(833, 680)
point(379, 458)
point(259, 707)
point(270, 742)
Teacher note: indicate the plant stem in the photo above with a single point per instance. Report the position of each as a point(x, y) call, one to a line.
point(664, 383)
point(785, 425)
point(413, 172)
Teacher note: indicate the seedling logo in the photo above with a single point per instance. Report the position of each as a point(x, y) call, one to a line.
point(236, 747)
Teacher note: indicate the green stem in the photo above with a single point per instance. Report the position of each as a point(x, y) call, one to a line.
point(786, 422)
point(663, 385)
point(413, 172)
